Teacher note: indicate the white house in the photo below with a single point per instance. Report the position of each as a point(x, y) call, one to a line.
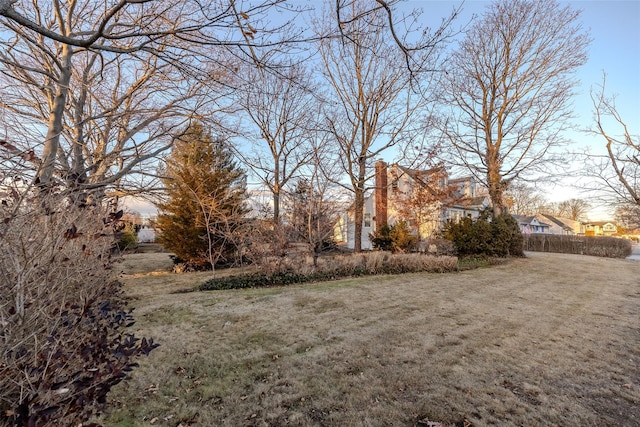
point(532, 224)
point(425, 199)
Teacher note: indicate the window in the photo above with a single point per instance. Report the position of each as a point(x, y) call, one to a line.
point(367, 220)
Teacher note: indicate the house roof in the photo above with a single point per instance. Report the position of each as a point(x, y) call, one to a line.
point(558, 222)
point(527, 220)
point(461, 179)
point(422, 177)
point(470, 202)
point(418, 174)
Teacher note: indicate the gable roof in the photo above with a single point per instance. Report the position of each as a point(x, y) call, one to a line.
point(471, 202)
point(527, 220)
point(558, 222)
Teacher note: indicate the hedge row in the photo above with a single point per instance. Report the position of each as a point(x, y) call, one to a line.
point(611, 247)
point(339, 267)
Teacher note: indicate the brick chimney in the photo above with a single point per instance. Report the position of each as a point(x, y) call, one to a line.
point(380, 194)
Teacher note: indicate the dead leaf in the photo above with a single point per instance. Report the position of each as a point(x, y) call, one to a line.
point(6, 145)
point(72, 233)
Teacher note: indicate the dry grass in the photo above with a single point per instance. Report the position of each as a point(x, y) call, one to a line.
point(547, 340)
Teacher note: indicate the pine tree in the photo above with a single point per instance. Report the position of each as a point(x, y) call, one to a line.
point(206, 194)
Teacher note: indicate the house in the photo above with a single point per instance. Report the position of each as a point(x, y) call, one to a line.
point(425, 199)
point(564, 226)
point(146, 234)
point(532, 224)
point(601, 228)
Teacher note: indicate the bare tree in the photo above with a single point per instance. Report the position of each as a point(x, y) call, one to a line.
point(620, 170)
point(522, 199)
point(316, 202)
point(373, 99)
point(628, 216)
point(115, 119)
point(71, 46)
point(280, 107)
point(509, 84)
point(575, 209)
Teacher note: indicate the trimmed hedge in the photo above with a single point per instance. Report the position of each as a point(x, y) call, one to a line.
point(611, 247)
point(338, 268)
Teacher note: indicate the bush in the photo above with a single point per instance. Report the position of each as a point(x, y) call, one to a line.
point(397, 238)
point(63, 339)
point(489, 236)
point(401, 237)
point(381, 239)
point(603, 246)
point(506, 236)
point(127, 237)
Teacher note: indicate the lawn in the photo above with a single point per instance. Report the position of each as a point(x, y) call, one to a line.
point(547, 340)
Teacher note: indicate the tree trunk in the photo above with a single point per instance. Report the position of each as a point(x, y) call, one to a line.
point(358, 218)
point(496, 188)
point(276, 205)
point(52, 142)
point(276, 195)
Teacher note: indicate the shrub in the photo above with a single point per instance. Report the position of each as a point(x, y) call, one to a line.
point(381, 239)
point(63, 339)
point(401, 237)
point(127, 237)
point(397, 238)
point(489, 236)
point(506, 236)
point(337, 267)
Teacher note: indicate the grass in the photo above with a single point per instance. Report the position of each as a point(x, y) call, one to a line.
point(547, 340)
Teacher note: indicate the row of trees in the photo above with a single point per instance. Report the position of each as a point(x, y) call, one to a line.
point(526, 200)
point(502, 99)
point(500, 104)
point(106, 90)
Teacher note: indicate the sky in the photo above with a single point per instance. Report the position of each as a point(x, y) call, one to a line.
point(614, 27)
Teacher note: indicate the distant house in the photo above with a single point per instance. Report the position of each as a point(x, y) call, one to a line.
point(146, 234)
point(564, 226)
point(425, 199)
point(600, 228)
point(532, 224)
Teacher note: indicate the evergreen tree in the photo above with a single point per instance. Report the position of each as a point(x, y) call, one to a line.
point(205, 205)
